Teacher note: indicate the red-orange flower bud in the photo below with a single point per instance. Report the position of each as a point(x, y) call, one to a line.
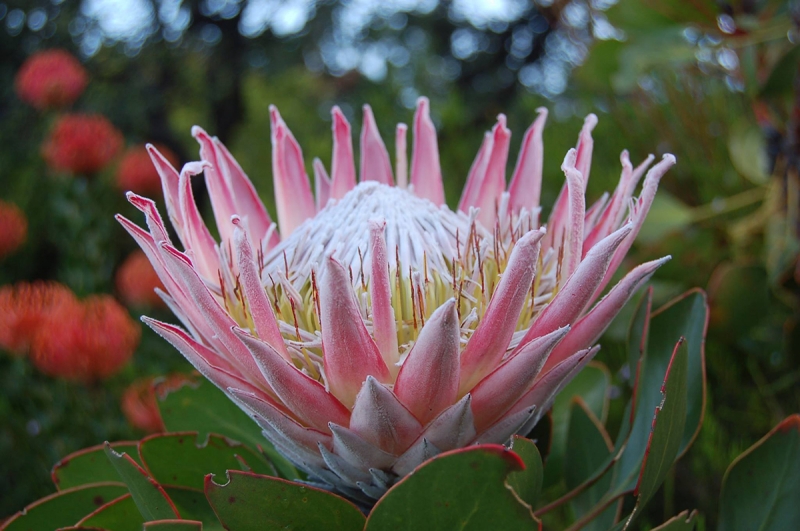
point(85, 341)
point(81, 144)
point(51, 79)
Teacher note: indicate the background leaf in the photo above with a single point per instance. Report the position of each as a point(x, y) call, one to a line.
point(527, 483)
point(149, 496)
point(89, 466)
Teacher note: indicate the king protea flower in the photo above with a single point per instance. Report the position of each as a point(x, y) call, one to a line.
point(374, 327)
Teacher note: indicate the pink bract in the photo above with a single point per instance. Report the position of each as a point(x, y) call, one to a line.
point(373, 327)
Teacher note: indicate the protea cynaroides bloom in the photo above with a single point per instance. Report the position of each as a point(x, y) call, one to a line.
point(375, 328)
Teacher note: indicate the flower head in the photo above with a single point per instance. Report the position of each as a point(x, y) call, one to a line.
point(13, 228)
point(85, 340)
point(375, 327)
point(51, 79)
point(24, 307)
point(140, 406)
point(136, 282)
point(81, 144)
point(136, 172)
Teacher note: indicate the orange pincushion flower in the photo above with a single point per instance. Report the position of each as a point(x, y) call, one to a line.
point(23, 308)
point(136, 172)
point(136, 281)
point(13, 228)
point(140, 406)
point(81, 144)
point(85, 341)
point(51, 79)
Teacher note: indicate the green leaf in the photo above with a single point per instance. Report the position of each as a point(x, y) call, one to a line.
point(761, 488)
point(682, 522)
point(527, 484)
point(64, 508)
point(262, 503)
point(89, 465)
point(184, 459)
point(193, 505)
point(638, 334)
point(667, 433)
point(150, 498)
point(588, 450)
point(782, 78)
point(591, 385)
point(747, 148)
point(203, 408)
point(118, 515)
point(463, 489)
point(685, 316)
point(173, 525)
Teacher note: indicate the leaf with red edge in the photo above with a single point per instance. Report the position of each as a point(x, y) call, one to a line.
point(173, 525)
point(89, 465)
point(250, 501)
point(117, 515)
point(761, 488)
point(667, 431)
point(527, 483)
point(684, 521)
point(63, 508)
point(149, 496)
point(462, 489)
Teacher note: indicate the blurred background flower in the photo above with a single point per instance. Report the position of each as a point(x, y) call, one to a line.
point(13, 228)
point(51, 79)
point(136, 172)
point(140, 407)
point(136, 281)
point(81, 144)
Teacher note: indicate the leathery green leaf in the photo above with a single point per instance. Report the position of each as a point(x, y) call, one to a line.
point(89, 465)
point(667, 432)
point(64, 508)
point(682, 522)
point(173, 525)
point(249, 501)
point(761, 488)
point(462, 489)
point(117, 515)
point(150, 498)
point(184, 459)
point(527, 483)
point(588, 450)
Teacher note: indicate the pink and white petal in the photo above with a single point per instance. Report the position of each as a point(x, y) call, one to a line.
point(349, 352)
point(454, 427)
point(526, 182)
point(579, 290)
point(154, 222)
point(322, 184)
point(308, 438)
point(420, 451)
point(401, 155)
point(218, 320)
point(216, 369)
point(490, 340)
point(264, 320)
point(384, 327)
point(248, 205)
point(428, 380)
point(348, 474)
point(585, 147)
point(375, 165)
point(573, 243)
point(343, 169)
point(169, 184)
point(494, 182)
point(305, 397)
point(591, 326)
point(197, 238)
point(502, 430)
point(426, 173)
point(641, 209)
point(496, 393)
point(380, 418)
point(357, 451)
point(219, 190)
point(477, 173)
point(293, 197)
